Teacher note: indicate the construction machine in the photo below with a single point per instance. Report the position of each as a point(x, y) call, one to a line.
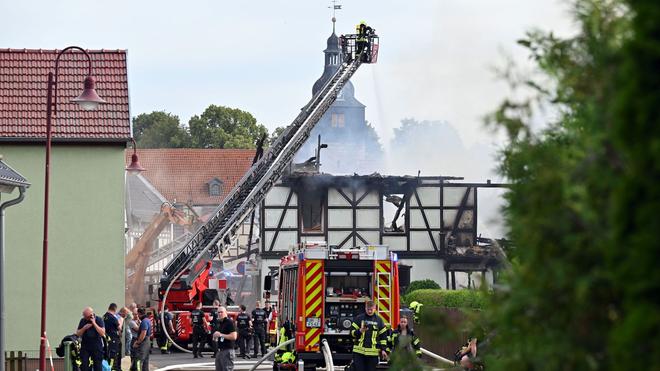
point(137, 259)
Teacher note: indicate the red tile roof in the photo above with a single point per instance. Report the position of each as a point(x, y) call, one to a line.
point(182, 175)
point(23, 92)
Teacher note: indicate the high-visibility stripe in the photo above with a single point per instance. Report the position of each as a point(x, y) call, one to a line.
point(314, 294)
point(313, 303)
point(313, 269)
point(383, 290)
point(313, 308)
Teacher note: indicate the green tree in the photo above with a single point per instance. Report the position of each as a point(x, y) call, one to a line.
point(583, 205)
point(224, 127)
point(159, 129)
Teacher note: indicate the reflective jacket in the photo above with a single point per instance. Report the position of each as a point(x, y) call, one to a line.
point(373, 339)
point(409, 342)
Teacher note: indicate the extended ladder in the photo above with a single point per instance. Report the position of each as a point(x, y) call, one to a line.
point(208, 241)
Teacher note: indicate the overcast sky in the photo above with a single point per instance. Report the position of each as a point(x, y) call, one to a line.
point(436, 60)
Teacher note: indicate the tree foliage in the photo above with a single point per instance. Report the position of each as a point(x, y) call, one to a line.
point(159, 129)
point(584, 202)
point(224, 127)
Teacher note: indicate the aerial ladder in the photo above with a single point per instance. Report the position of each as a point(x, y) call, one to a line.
point(208, 241)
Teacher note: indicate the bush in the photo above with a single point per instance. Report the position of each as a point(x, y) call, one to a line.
point(439, 298)
point(422, 284)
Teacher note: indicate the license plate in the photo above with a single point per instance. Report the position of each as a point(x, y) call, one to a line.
point(313, 322)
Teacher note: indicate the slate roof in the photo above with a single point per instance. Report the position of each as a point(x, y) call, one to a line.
point(182, 174)
point(9, 176)
point(23, 94)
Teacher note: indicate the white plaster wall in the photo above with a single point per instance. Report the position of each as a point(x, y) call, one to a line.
point(426, 269)
point(277, 197)
point(368, 218)
point(272, 217)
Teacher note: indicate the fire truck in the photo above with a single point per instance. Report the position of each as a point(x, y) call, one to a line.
point(185, 278)
point(322, 288)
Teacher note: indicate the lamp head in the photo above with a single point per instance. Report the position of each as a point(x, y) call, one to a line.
point(88, 99)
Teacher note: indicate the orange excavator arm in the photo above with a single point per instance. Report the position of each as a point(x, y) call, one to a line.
point(137, 258)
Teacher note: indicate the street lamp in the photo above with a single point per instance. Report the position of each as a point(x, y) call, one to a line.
point(88, 100)
point(134, 168)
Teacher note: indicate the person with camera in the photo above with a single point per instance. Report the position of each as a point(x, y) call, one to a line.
point(370, 337)
point(91, 330)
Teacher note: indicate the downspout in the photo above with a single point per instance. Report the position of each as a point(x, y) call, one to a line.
point(3, 321)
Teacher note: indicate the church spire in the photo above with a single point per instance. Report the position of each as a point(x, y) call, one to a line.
point(334, 8)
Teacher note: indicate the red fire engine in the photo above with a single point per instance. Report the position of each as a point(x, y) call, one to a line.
point(321, 290)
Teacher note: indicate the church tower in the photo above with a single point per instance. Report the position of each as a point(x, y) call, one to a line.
point(353, 146)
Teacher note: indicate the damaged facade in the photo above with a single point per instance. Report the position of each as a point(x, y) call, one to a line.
point(430, 222)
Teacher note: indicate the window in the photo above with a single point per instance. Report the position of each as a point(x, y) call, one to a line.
point(312, 204)
point(215, 187)
point(337, 120)
point(394, 212)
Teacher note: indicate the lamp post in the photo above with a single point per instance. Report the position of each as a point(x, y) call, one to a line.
point(88, 100)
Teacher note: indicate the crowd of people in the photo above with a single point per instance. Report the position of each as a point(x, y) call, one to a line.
point(128, 332)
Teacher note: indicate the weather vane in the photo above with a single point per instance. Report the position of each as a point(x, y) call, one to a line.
point(334, 8)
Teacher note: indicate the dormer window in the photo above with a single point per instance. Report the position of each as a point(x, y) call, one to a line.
point(215, 187)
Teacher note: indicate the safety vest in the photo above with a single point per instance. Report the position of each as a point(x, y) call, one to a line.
point(368, 343)
point(411, 342)
point(284, 355)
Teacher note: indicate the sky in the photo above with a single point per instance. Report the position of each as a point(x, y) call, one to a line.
point(436, 61)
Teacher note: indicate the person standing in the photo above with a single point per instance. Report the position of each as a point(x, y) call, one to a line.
point(259, 322)
point(213, 324)
point(225, 335)
point(128, 334)
point(113, 334)
point(142, 343)
point(243, 324)
point(269, 311)
point(125, 330)
point(404, 338)
point(91, 330)
point(199, 325)
point(369, 339)
point(167, 328)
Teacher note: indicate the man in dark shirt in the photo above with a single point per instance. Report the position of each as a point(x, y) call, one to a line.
point(243, 324)
point(259, 322)
point(113, 333)
point(225, 335)
point(166, 328)
point(199, 324)
point(92, 330)
point(142, 344)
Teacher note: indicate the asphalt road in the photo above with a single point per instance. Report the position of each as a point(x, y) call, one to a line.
point(158, 360)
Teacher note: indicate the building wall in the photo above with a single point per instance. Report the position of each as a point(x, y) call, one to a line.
point(86, 239)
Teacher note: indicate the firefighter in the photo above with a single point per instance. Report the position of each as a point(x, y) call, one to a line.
point(369, 339)
point(284, 355)
point(113, 337)
point(259, 323)
point(215, 318)
point(142, 343)
point(403, 338)
point(199, 325)
point(269, 311)
point(91, 331)
point(167, 327)
point(243, 326)
point(361, 39)
point(416, 307)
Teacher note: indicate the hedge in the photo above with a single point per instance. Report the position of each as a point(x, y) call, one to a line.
point(440, 298)
point(422, 284)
